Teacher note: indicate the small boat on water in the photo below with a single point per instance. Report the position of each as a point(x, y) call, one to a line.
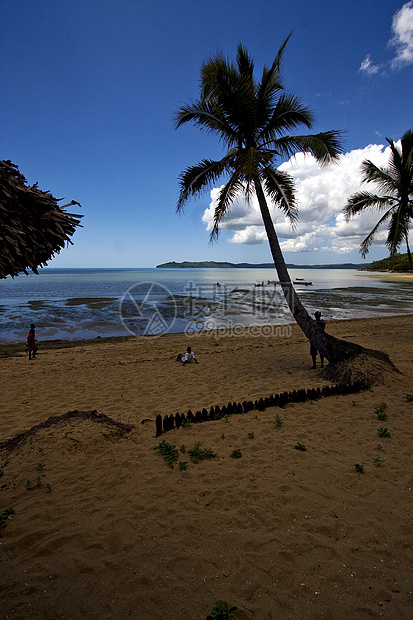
point(303, 282)
point(297, 281)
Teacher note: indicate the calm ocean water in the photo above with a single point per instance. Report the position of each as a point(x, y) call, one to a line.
point(85, 303)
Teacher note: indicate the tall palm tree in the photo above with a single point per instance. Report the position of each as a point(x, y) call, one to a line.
point(396, 183)
point(253, 120)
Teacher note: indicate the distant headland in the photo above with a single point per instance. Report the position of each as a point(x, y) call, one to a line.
point(398, 263)
point(226, 265)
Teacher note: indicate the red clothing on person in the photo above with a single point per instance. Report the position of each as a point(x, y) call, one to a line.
point(31, 340)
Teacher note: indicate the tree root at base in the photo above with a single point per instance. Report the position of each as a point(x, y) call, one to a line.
point(368, 365)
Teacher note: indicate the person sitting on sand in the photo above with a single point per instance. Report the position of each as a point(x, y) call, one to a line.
point(187, 358)
point(31, 342)
point(313, 351)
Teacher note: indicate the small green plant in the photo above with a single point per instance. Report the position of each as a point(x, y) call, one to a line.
point(169, 452)
point(226, 417)
point(185, 422)
point(38, 481)
point(28, 483)
point(222, 436)
point(183, 465)
point(377, 461)
point(48, 488)
point(384, 432)
point(278, 421)
point(221, 611)
point(354, 403)
point(251, 436)
point(40, 466)
point(380, 447)
point(300, 446)
point(380, 412)
point(236, 454)
point(6, 514)
point(207, 453)
point(197, 453)
point(359, 468)
point(409, 398)
point(182, 449)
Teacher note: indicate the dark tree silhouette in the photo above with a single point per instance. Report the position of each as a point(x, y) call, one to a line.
point(33, 226)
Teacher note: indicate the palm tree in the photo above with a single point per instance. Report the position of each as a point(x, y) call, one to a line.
point(253, 120)
point(396, 183)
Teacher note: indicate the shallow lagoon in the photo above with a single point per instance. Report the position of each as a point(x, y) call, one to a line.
point(86, 303)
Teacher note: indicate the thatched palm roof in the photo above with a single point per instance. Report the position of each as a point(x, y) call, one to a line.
point(33, 226)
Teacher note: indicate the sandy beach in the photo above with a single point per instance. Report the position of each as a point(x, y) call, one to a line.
point(104, 528)
point(391, 276)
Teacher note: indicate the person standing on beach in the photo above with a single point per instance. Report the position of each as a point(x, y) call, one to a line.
point(313, 351)
point(31, 342)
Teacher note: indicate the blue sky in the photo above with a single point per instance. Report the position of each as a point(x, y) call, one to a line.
point(89, 89)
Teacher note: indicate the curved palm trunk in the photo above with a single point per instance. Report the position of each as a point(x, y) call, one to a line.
point(333, 349)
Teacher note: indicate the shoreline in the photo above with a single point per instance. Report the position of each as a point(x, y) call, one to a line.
point(13, 347)
point(390, 276)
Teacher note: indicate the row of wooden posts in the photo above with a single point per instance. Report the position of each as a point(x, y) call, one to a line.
point(171, 421)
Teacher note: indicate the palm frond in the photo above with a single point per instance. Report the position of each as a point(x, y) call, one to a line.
point(226, 196)
point(386, 180)
point(209, 117)
point(366, 244)
point(196, 179)
point(271, 85)
point(360, 201)
point(407, 149)
point(398, 230)
point(244, 62)
point(288, 114)
point(280, 187)
point(326, 146)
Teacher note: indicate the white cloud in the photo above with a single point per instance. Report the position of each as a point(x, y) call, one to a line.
point(368, 67)
point(402, 41)
point(402, 28)
point(321, 193)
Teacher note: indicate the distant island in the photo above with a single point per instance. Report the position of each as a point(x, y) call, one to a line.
point(224, 265)
point(397, 263)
